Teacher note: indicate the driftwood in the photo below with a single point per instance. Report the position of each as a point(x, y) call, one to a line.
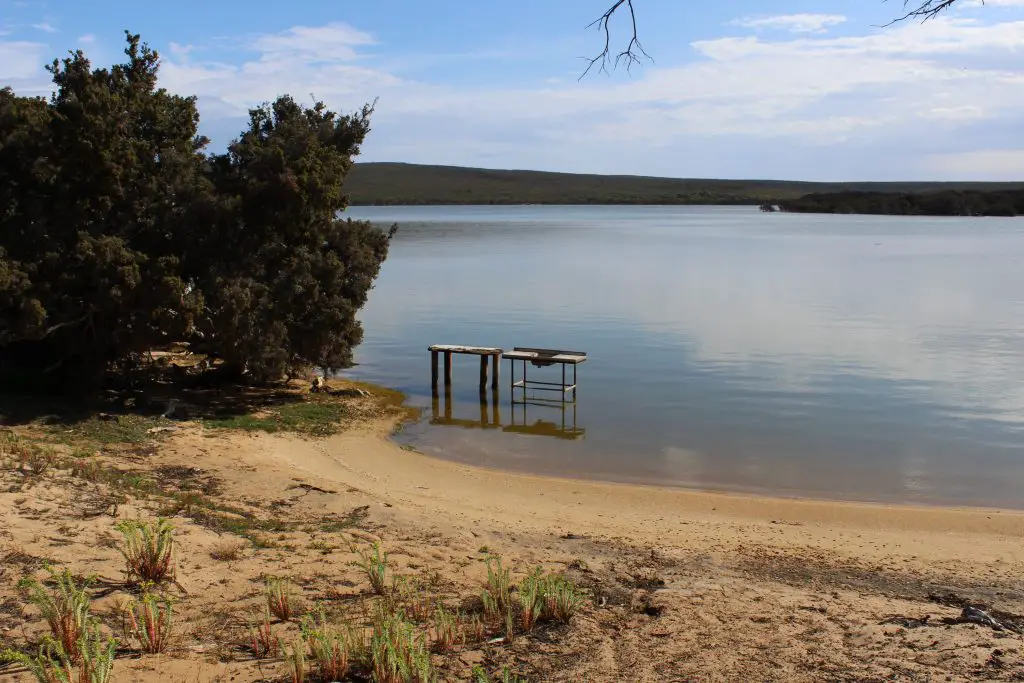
point(974, 615)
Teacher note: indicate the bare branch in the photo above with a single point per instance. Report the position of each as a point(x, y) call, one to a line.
point(634, 50)
point(923, 9)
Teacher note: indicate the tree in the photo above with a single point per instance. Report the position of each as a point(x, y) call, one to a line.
point(119, 233)
point(634, 52)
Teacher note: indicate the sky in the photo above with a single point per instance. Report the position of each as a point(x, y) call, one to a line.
point(789, 89)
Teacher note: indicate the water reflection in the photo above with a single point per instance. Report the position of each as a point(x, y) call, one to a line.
point(562, 425)
point(856, 357)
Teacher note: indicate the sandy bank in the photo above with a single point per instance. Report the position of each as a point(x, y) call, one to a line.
point(422, 489)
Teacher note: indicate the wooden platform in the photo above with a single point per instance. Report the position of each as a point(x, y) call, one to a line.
point(484, 352)
point(546, 356)
point(471, 350)
point(543, 358)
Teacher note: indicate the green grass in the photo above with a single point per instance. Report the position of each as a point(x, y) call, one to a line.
point(116, 429)
point(312, 418)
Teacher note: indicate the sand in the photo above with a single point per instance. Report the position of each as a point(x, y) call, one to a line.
point(685, 585)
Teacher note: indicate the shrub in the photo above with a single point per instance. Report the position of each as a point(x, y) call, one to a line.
point(148, 550)
point(65, 609)
point(398, 653)
point(151, 622)
point(376, 567)
point(278, 592)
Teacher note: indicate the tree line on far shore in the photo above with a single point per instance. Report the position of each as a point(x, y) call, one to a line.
point(120, 233)
point(939, 203)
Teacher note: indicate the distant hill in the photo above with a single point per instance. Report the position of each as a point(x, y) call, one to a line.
point(393, 183)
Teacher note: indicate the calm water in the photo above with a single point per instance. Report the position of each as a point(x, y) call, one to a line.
point(873, 358)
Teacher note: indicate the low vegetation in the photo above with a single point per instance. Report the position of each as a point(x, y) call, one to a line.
point(148, 550)
point(375, 563)
point(403, 627)
point(314, 417)
point(65, 607)
point(950, 202)
point(150, 623)
point(75, 650)
point(278, 594)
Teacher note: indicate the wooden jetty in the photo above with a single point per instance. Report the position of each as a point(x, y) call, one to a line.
point(484, 352)
point(543, 358)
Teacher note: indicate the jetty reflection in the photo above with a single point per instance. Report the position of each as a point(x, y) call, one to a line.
point(563, 426)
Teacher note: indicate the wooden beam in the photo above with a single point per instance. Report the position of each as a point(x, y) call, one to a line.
point(495, 370)
point(433, 372)
point(483, 373)
point(447, 368)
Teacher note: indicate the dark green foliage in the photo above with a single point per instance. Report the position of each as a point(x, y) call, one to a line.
point(944, 203)
point(119, 234)
point(390, 183)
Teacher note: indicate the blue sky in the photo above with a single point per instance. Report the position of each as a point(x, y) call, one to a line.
point(738, 88)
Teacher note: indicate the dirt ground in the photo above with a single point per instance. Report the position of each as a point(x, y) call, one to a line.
point(682, 585)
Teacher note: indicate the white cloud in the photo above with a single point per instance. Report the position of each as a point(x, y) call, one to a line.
point(87, 39)
point(885, 104)
point(795, 23)
point(311, 45)
point(21, 62)
point(45, 27)
point(985, 164)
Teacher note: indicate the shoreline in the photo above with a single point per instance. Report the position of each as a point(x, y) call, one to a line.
point(724, 490)
point(393, 438)
point(371, 461)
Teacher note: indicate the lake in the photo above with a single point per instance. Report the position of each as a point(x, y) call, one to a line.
point(867, 358)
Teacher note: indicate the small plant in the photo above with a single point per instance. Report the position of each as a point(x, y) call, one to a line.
point(278, 592)
point(563, 598)
point(148, 550)
point(263, 640)
point(480, 675)
point(398, 653)
point(447, 629)
point(510, 625)
point(499, 585)
point(476, 628)
point(376, 567)
point(548, 596)
point(331, 649)
point(227, 552)
point(65, 609)
point(296, 659)
point(150, 622)
point(416, 602)
point(93, 653)
point(531, 600)
point(497, 593)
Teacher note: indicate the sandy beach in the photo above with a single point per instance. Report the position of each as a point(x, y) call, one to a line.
point(683, 585)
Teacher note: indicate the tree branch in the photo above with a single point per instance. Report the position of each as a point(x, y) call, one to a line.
point(634, 50)
point(924, 10)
